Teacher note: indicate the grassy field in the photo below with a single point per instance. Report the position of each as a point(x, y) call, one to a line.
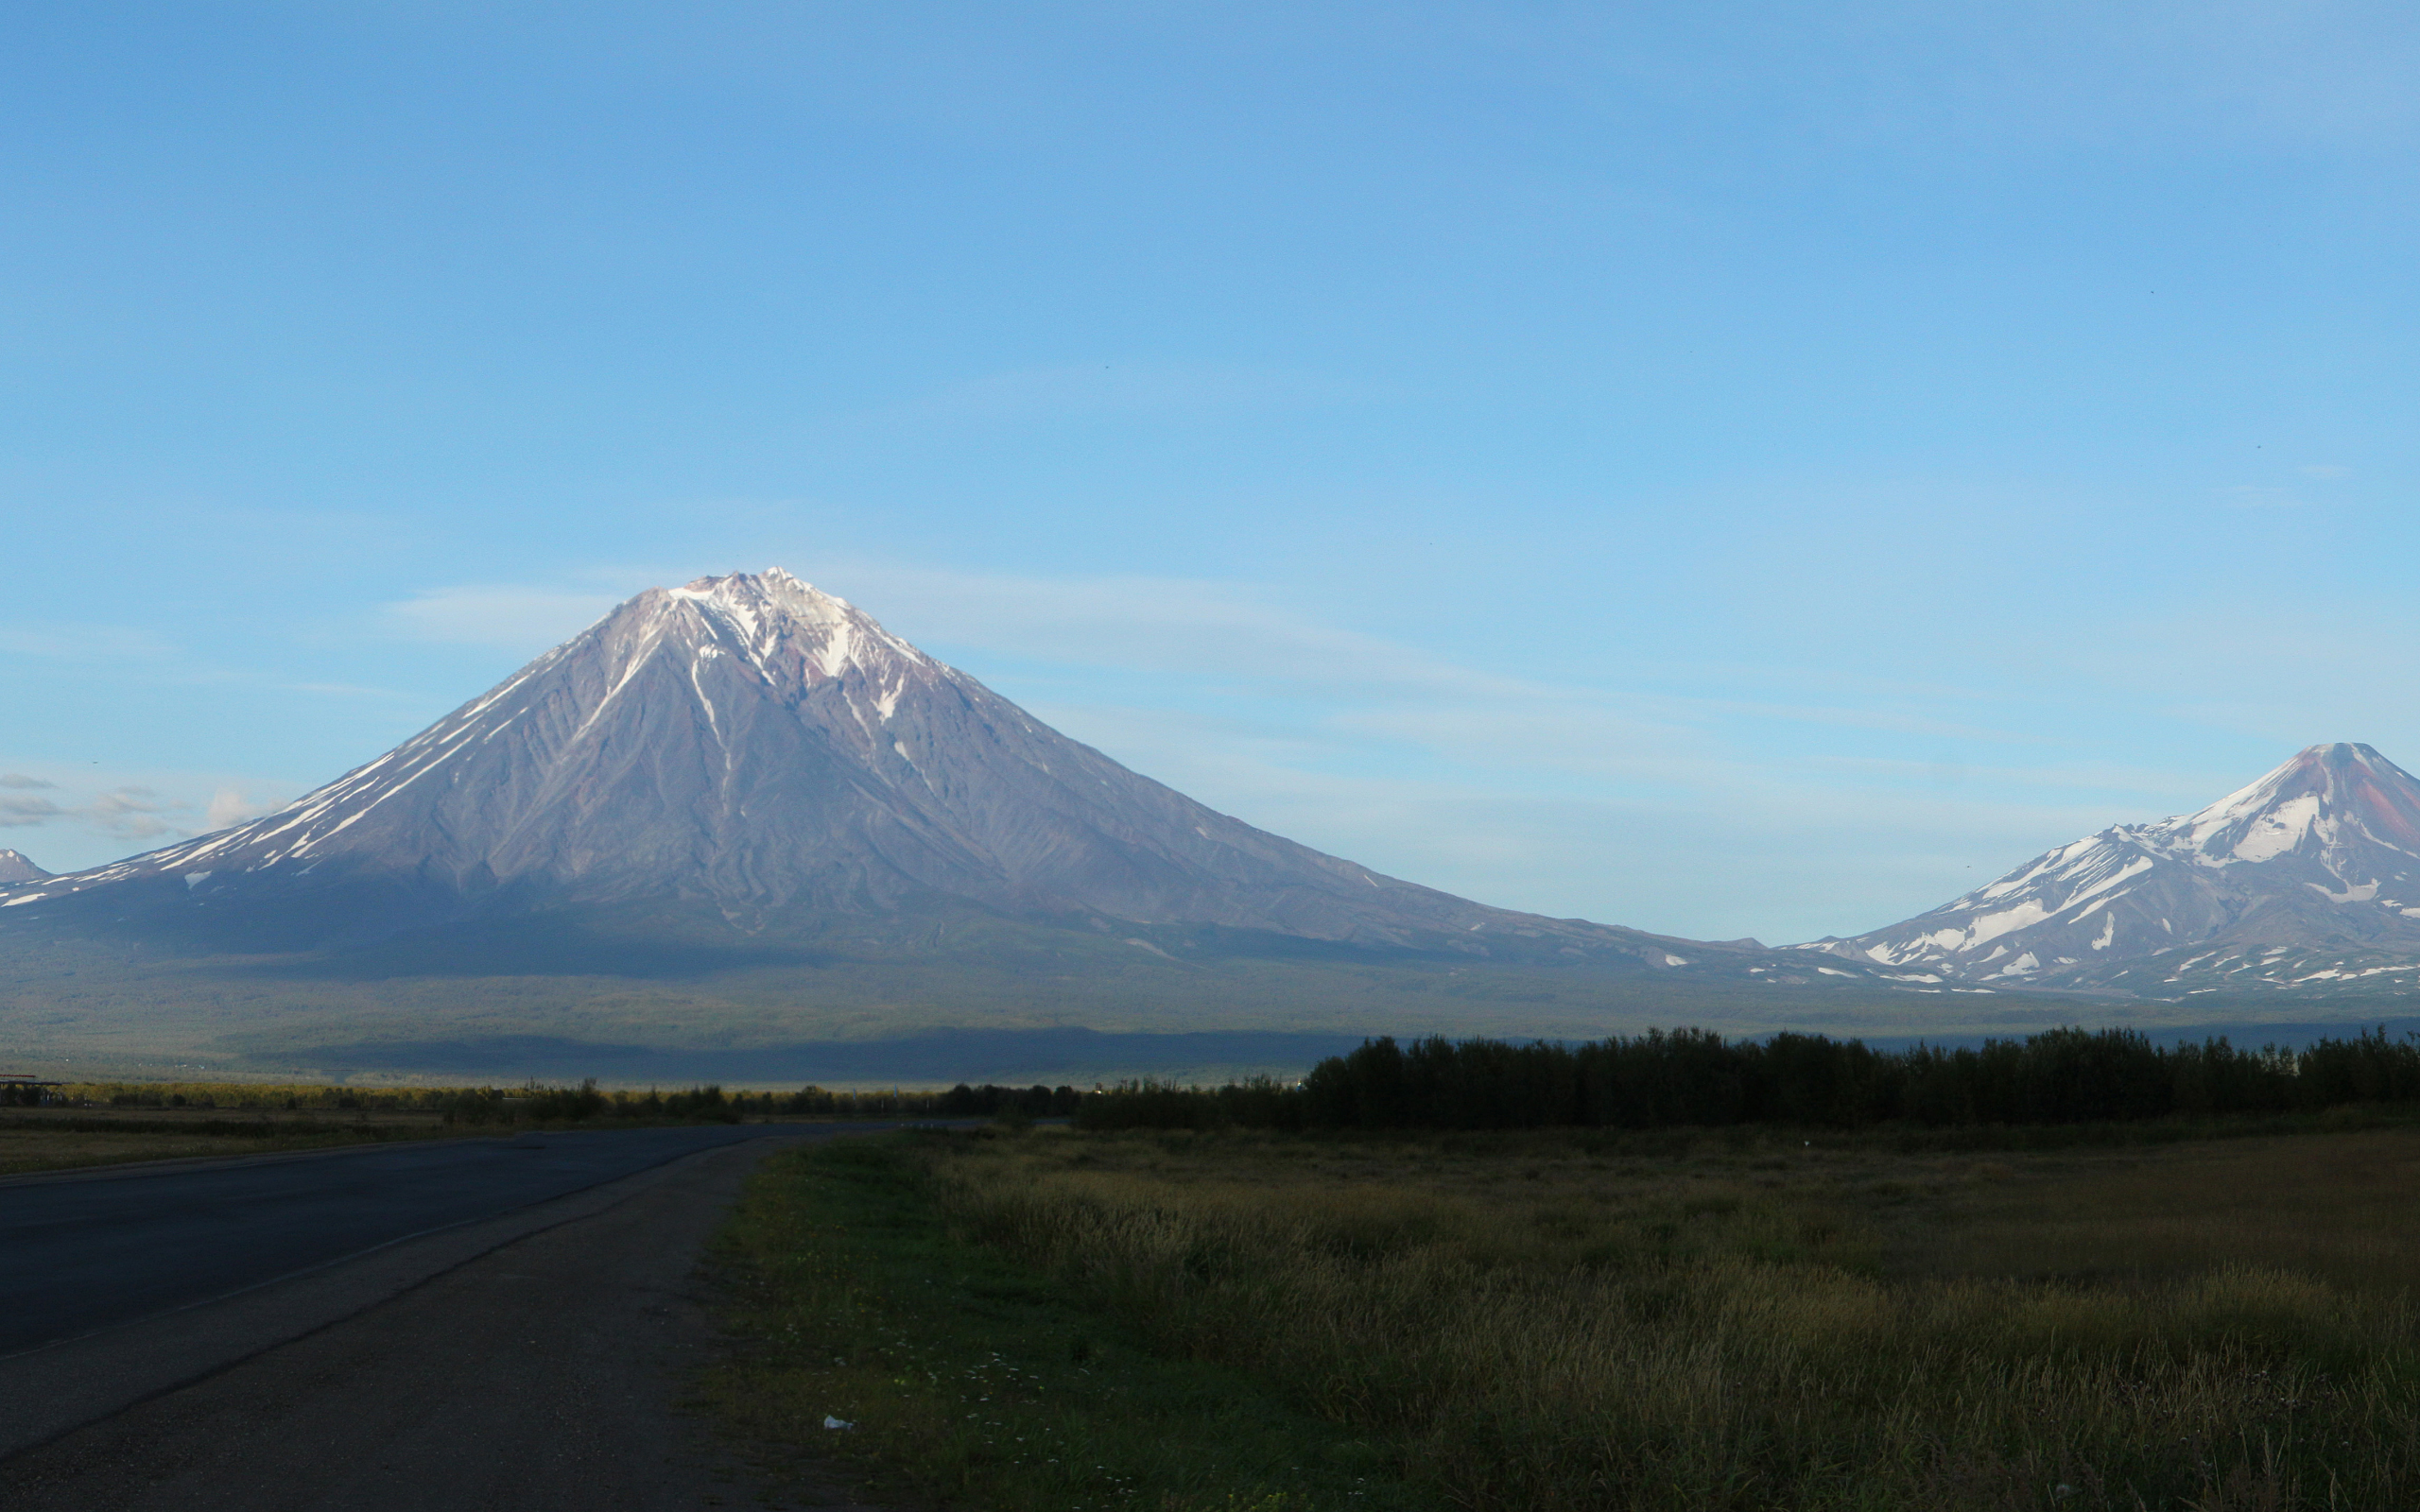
point(968, 1376)
point(113, 1122)
point(51, 1139)
point(24, 1149)
point(1583, 1321)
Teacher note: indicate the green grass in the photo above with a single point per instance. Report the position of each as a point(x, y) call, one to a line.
point(1541, 1321)
point(974, 1377)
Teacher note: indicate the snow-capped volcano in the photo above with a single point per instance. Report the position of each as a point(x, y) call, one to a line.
point(2310, 875)
point(759, 755)
point(16, 868)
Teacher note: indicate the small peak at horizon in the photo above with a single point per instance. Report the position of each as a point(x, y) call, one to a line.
point(25, 866)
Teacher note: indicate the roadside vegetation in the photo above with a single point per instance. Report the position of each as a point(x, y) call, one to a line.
point(960, 1370)
point(1750, 1318)
point(30, 1143)
point(88, 1124)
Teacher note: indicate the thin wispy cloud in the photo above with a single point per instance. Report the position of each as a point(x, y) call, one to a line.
point(1160, 624)
point(135, 814)
point(124, 812)
point(1408, 759)
point(506, 616)
point(83, 642)
point(27, 812)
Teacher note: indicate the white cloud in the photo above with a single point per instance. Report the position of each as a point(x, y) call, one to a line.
point(19, 780)
point(135, 814)
point(91, 817)
point(16, 813)
point(510, 617)
point(229, 806)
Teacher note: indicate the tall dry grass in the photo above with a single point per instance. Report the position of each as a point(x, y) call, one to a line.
point(1533, 1348)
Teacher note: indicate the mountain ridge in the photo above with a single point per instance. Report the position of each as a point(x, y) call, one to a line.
point(752, 749)
point(740, 813)
point(2310, 874)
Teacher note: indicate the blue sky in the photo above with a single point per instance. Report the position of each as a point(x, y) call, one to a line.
point(1727, 469)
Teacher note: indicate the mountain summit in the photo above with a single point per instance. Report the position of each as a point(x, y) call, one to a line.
point(753, 757)
point(16, 868)
point(2311, 875)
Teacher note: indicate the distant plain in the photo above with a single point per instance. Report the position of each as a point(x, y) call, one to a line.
point(1090, 1009)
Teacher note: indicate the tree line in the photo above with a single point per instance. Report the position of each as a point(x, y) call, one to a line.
point(711, 1104)
point(536, 1103)
point(1694, 1077)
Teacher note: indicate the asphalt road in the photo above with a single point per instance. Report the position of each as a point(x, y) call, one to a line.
point(536, 1361)
point(105, 1249)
